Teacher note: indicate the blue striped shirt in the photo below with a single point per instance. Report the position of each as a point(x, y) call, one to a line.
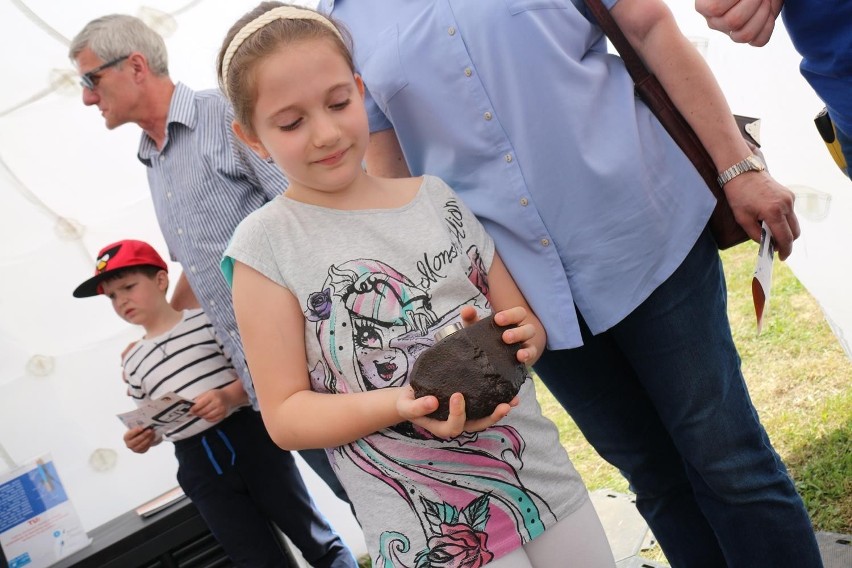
point(203, 182)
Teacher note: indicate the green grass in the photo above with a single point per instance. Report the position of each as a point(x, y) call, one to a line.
point(800, 381)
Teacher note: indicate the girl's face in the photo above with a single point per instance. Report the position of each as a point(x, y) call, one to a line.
point(309, 116)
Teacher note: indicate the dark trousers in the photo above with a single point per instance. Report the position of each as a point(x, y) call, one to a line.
point(240, 481)
point(661, 397)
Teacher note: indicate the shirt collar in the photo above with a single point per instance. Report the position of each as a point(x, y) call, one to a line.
point(181, 110)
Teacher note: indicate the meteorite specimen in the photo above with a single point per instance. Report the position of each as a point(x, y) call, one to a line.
point(473, 361)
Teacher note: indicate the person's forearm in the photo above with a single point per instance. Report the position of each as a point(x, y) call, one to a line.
point(384, 157)
point(652, 30)
point(183, 298)
point(234, 393)
point(309, 419)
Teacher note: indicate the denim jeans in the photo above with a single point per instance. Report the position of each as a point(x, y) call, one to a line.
point(662, 398)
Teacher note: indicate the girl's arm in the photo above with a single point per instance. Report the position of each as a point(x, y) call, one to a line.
point(753, 196)
point(273, 329)
point(511, 307)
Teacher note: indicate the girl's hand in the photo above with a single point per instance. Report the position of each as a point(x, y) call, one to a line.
point(522, 334)
point(416, 409)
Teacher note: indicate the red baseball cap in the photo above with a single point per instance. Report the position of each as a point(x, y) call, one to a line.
point(116, 256)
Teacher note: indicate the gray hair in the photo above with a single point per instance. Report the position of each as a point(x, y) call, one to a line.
point(117, 35)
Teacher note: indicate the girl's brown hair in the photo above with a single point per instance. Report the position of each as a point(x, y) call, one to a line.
point(240, 85)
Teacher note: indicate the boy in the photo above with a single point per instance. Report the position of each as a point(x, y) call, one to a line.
point(227, 464)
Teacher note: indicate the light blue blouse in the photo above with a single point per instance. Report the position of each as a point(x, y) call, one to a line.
point(517, 106)
point(203, 183)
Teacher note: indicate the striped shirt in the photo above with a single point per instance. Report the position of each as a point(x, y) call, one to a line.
point(203, 182)
point(188, 360)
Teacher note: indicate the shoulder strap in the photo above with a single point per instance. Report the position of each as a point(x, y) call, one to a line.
point(652, 93)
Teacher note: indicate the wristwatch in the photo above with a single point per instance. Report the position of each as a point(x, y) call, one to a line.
point(751, 164)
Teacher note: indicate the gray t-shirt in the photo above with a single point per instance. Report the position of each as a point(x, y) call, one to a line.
point(375, 285)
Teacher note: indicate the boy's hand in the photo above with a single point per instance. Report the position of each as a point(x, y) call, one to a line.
point(416, 409)
point(140, 440)
point(521, 334)
point(212, 406)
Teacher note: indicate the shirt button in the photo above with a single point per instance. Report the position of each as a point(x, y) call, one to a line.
point(508, 158)
point(212, 303)
point(192, 269)
point(180, 231)
point(487, 115)
point(451, 30)
point(524, 201)
point(162, 157)
point(169, 195)
point(545, 242)
point(468, 72)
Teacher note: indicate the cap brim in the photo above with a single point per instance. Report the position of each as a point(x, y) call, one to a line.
point(90, 286)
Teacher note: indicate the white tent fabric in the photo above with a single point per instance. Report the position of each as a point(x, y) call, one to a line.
point(70, 186)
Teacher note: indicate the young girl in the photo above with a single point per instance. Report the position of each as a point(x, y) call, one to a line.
point(341, 283)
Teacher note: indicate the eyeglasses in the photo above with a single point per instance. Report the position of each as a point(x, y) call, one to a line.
point(87, 79)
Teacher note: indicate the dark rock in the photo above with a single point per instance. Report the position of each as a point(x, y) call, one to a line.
point(473, 361)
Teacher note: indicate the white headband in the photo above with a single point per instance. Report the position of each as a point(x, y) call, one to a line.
point(280, 13)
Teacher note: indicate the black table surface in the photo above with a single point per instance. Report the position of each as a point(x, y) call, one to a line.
point(131, 539)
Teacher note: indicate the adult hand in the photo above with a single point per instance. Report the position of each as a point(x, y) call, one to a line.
point(140, 440)
point(756, 197)
point(745, 21)
point(416, 409)
point(212, 406)
point(521, 334)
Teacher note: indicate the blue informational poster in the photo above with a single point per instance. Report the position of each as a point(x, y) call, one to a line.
point(38, 523)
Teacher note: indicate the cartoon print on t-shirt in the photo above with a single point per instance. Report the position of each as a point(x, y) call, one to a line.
point(371, 322)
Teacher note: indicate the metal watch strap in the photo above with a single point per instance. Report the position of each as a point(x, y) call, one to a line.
point(751, 164)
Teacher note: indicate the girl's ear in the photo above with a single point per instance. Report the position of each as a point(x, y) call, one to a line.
point(250, 140)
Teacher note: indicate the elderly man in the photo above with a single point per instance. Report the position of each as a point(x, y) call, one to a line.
point(203, 183)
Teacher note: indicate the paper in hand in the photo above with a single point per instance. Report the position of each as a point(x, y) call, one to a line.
point(761, 282)
point(163, 415)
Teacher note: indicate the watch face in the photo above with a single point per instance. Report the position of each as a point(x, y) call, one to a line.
point(755, 163)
